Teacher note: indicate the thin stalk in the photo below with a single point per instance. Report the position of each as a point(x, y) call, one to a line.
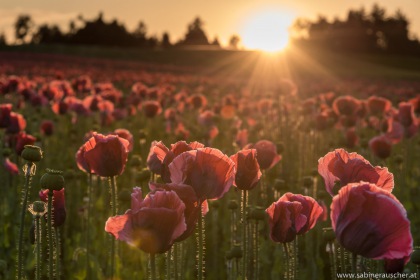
point(89, 190)
point(354, 263)
point(176, 259)
point(26, 189)
point(113, 186)
point(257, 272)
point(168, 263)
point(38, 234)
point(244, 233)
point(50, 237)
point(152, 263)
point(287, 258)
point(58, 251)
point(201, 265)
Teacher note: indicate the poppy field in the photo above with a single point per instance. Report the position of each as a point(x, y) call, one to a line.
point(123, 170)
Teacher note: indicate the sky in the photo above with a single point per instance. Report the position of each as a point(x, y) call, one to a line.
point(222, 18)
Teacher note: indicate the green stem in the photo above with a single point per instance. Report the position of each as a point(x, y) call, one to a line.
point(58, 251)
point(176, 259)
point(152, 266)
point(244, 233)
point(114, 206)
point(50, 237)
point(200, 246)
point(88, 227)
point(354, 263)
point(38, 234)
point(168, 263)
point(26, 189)
point(286, 256)
point(257, 272)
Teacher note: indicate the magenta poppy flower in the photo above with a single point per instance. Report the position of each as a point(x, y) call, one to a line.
point(266, 153)
point(248, 172)
point(5, 110)
point(17, 123)
point(338, 168)
point(152, 224)
point(23, 139)
point(346, 105)
point(125, 134)
point(47, 127)
point(160, 156)
point(378, 105)
point(192, 206)
point(380, 146)
point(59, 208)
point(291, 215)
point(209, 171)
point(11, 167)
point(406, 114)
point(106, 155)
point(151, 108)
point(369, 221)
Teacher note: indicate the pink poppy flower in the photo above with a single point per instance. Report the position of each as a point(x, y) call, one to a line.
point(47, 127)
point(152, 224)
point(369, 221)
point(125, 134)
point(17, 123)
point(248, 172)
point(151, 108)
point(160, 156)
point(338, 168)
point(266, 153)
point(23, 139)
point(291, 215)
point(11, 167)
point(192, 206)
point(378, 105)
point(209, 171)
point(59, 208)
point(380, 146)
point(346, 105)
point(5, 110)
point(106, 155)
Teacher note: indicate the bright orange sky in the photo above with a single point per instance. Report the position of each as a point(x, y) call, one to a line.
point(222, 18)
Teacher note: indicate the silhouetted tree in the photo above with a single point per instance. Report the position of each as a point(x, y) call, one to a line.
point(166, 42)
point(234, 42)
point(48, 35)
point(23, 26)
point(195, 34)
point(3, 39)
point(215, 42)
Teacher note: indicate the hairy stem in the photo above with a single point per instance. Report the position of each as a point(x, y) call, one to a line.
point(244, 233)
point(50, 237)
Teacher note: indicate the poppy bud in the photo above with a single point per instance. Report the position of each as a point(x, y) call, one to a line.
point(233, 204)
point(279, 184)
point(258, 213)
point(308, 182)
point(143, 175)
point(399, 159)
point(415, 256)
point(136, 161)
point(6, 152)
point(235, 252)
point(52, 180)
point(124, 196)
point(328, 234)
point(32, 153)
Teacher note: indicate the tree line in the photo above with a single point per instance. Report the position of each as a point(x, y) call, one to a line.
point(361, 31)
point(99, 32)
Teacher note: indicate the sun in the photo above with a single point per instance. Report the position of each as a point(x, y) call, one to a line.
point(266, 31)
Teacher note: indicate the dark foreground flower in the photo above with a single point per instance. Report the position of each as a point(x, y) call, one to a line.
point(248, 172)
point(291, 215)
point(192, 207)
point(59, 208)
point(266, 153)
point(152, 224)
point(380, 146)
point(106, 155)
point(338, 168)
point(371, 222)
point(207, 170)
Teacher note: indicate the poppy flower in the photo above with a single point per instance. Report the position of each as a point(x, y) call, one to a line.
point(369, 221)
point(351, 138)
point(197, 101)
point(23, 139)
point(192, 207)
point(47, 127)
point(380, 146)
point(291, 215)
point(394, 131)
point(338, 168)
point(125, 134)
point(152, 224)
point(241, 138)
point(248, 172)
point(11, 167)
point(151, 108)
point(16, 124)
point(206, 118)
point(378, 105)
point(106, 155)
point(346, 105)
point(266, 153)
point(59, 208)
point(5, 110)
point(160, 156)
point(209, 171)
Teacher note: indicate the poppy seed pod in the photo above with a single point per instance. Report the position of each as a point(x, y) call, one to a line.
point(328, 234)
point(257, 213)
point(32, 153)
point(52, 180)
point(233, 204)
point(39, 207)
